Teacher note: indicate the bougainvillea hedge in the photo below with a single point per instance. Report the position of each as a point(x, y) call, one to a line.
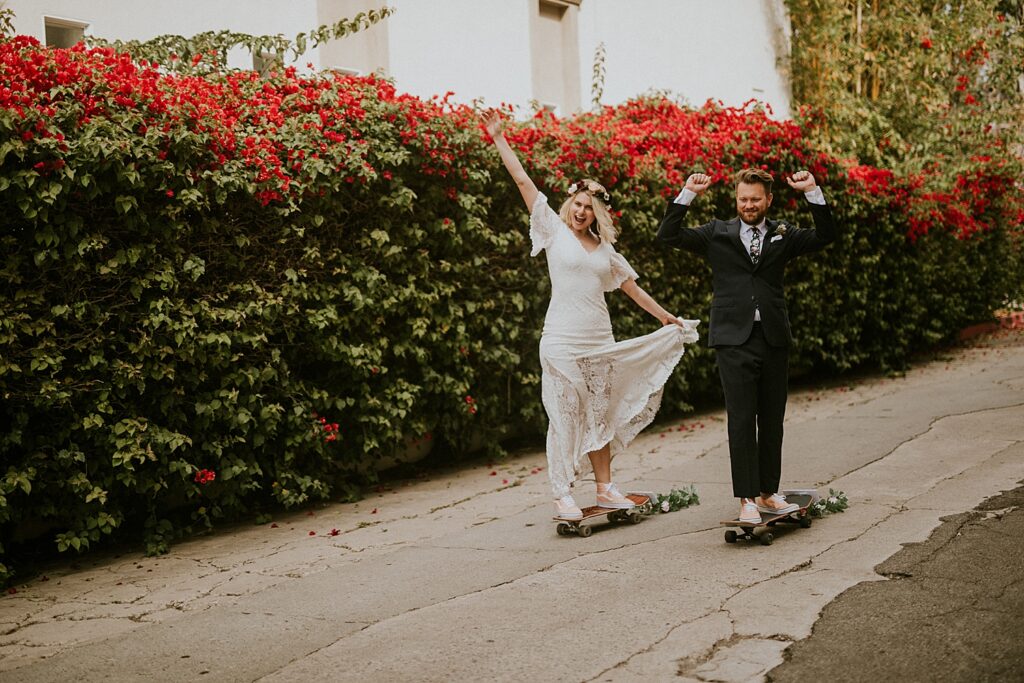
point(225, 292)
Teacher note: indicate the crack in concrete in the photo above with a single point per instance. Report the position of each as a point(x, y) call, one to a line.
point(689, 665)
point(930, 427)
point(649, 648)
point(486, 521)
point(698, 660)
point(532, 551)
point(598, 570)
point(23, 643)
point(449, 505)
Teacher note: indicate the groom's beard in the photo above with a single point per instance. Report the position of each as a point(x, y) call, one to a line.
point(753, 217)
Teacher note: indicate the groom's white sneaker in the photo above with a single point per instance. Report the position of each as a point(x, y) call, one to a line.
point(775, 504)
point(748, 512)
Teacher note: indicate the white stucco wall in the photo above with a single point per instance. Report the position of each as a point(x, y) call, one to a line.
point(144, 19)
point(732, 50)
point(727, 49)
point(475, 48)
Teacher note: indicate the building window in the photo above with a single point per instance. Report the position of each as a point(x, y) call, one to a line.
point(555, 52)
point(552, 11)
point(63, 32)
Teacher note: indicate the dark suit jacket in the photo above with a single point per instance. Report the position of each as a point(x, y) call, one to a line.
point(738, 285)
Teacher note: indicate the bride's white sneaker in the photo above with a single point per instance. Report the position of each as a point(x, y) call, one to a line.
point(609, 497)
point(567, 509)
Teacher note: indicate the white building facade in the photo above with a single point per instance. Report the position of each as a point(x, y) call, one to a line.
point(523, 52)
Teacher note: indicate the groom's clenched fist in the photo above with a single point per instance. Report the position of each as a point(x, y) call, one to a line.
point(802, 181)
point(698, 182)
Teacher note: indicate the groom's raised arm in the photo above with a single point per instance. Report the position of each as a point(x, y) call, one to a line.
point(825, 228)
point(673, 230)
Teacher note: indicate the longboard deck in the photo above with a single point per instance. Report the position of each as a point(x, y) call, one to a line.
point(634, 515)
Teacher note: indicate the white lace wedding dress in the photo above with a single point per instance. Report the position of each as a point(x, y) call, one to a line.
point(595, 390)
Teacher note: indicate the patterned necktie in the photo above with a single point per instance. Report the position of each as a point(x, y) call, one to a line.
point(755, 245)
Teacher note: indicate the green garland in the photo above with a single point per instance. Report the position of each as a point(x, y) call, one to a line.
point(676, 499)
point(835, 502)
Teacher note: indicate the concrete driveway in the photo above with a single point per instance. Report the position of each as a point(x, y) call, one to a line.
point(461, 577)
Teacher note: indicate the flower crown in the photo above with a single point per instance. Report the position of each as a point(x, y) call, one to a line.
point(591, 187)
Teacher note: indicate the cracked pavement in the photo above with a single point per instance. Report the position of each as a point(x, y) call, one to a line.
point(460, 576)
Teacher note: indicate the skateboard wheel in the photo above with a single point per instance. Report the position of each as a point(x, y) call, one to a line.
point(805, 522)
point(767, 538)
point(635, 517)
point(562, 529)
point(585, 531)
point(615, 516)
point(730, 536)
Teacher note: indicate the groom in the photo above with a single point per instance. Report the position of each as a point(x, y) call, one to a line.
point(749, 323)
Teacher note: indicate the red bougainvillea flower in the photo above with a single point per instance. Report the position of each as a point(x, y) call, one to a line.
point(926, 43)
point(334, 532)
point(204, 476)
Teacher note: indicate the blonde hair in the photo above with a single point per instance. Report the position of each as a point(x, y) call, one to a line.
point(602, 214)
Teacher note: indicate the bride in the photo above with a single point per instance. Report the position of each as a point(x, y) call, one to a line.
point(598, 393)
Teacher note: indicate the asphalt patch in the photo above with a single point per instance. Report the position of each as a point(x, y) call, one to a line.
point(950, 611)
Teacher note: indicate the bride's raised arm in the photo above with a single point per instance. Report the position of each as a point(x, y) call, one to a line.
point(495, 125)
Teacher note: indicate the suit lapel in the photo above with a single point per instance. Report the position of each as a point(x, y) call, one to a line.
point(733, 229)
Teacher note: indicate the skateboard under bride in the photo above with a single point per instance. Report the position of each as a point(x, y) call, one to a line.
point(644, 506)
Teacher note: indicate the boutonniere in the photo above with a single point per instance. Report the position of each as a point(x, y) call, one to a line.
point(780, 231)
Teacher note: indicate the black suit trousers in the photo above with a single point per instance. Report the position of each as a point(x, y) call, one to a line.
point(754, 376)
